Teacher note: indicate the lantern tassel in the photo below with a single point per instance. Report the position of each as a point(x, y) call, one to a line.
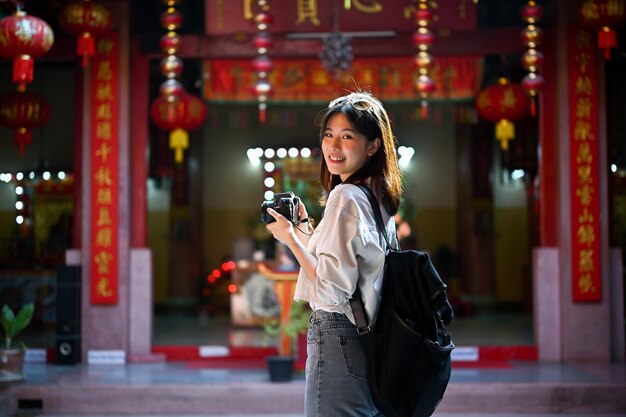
point(424, 110)
point(23, 67)
point(179, 141)
point(505, 131)
point(86, 47)
point(21, 138)
point(533, 106)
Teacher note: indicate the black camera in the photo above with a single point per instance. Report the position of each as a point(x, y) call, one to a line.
point(286, 204)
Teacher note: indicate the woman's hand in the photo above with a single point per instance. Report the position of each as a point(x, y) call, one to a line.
point(282, 229)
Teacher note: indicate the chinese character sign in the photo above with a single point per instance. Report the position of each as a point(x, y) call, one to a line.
point(104, 172)
point(584, 171)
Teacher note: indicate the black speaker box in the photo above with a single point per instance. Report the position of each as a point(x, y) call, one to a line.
point(68, 309)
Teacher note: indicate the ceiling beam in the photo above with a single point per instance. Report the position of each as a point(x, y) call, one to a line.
point(479, 42)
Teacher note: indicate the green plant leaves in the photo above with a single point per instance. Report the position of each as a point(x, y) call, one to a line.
point(14, 324)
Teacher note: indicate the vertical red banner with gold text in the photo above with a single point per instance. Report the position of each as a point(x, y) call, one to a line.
point(104, 172)
point(584, 168)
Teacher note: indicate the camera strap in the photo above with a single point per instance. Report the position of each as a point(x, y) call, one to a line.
point(309, 223)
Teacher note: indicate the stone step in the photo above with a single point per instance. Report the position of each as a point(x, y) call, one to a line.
point(254, 398)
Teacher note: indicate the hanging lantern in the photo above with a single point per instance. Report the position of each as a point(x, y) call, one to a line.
point(171, 66)
point(532, 59)
point(262, 42)
point(175, 110)
point(262, 65)
point(87, 20)
point(180, 116)
point(23, 111)
point(603, 16)
point(171, 89)
point(503, 103)
point(423, 39)
point(24, 38)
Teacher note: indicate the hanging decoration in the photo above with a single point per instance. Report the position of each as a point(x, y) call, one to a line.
point(175, 110)
point(23, 111)
point(336, 54)
point(503, 103)
point(423, 39)
point(87, 20)
point(603, 16)
point(262, 64)
point(186, 113)
point(532, 59)
point(24, 38)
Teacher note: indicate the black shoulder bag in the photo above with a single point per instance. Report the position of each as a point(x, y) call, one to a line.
point(408, 348)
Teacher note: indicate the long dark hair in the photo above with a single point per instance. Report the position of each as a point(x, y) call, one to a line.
point(368, 117)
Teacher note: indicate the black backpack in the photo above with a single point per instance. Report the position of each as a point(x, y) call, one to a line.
point(408, 349)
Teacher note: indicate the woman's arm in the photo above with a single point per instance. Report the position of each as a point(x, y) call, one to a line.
point(304, 230)
point(284, 232)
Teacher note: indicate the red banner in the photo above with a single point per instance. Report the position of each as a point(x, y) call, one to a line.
point(306, 80)
point(584, 170)
point(104, 172)
point(235, 16)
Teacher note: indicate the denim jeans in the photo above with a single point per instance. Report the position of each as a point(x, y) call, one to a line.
point(336, 379)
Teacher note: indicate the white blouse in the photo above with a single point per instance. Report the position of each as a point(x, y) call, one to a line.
point(349, 250)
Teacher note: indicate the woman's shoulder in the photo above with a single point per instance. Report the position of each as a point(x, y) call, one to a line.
point(348, 196)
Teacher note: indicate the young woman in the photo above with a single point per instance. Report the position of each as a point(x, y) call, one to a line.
point(345, 251)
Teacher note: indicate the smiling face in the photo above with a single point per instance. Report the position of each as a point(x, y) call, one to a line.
point(345, 150)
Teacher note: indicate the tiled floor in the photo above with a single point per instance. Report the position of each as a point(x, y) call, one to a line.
point(180, 373)
point(526, 389)
point(175, 388)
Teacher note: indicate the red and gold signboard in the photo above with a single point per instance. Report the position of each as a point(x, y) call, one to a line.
point(389, 78)
point(234, 17)
point(104, 172)
point(584, 170)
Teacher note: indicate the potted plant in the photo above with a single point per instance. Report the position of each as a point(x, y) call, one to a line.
point(12, 358)
point(281, 366)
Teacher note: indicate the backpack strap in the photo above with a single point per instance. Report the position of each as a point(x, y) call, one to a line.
point(378, 216)
point(358, 311)
point(356, 302)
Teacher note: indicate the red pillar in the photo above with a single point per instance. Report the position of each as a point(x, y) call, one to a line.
point(139, 109)
point(548, 167)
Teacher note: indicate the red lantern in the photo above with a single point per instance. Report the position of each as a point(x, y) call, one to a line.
point(533, 83)
point(503, 103)
point(262, 42)
point(262, 65)
point(23, 111)
point(171, 19)
point(603, 16)
point(531, 13)
point(171, 66)
point(263, 20)
point(87, 20)
point(23, 38)
point(423, 38)
point(184, 114)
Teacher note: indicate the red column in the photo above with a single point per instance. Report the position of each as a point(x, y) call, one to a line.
point(139, 109)
point(548, 166)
